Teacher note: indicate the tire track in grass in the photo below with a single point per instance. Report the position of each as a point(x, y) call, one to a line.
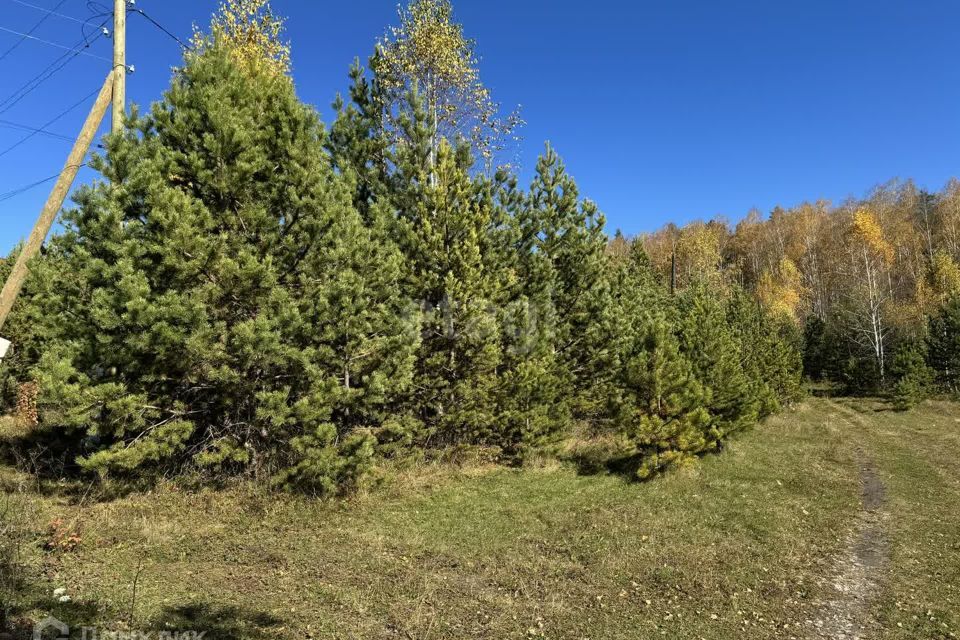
point(856, 582)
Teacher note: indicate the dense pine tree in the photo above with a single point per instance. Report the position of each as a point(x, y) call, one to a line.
point(246, 292)
point(357, 146)
point(357, 323)
point(715, 352)
point(442, 216)
point(562, 252)
point(660, 407)
point(913, 378)
point(533, 409)
point(231, 303)
point(653, 398)
point(816, 351)
point(944, 345)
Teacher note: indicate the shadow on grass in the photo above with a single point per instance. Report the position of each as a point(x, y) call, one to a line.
point(601, 459)
point(217, 622)
point(46, 458)
point(37, 452)
point(866, 404)
point(21, 615)
point(50, 463)
point(825, 389)
point(608, 457)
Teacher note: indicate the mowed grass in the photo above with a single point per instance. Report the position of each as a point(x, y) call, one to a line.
point(740, 546)
point(918, 456)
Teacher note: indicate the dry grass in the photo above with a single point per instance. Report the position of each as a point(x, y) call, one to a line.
point(11, 428)
point(16, 519)
point(918, 455)
point(733, 548)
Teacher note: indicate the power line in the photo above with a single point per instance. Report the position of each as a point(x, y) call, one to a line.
point(32, 84)
point(97, 7)
point(111, 91)
point(39, 24)
point(33, 185)
point(164, 29)
point(30, 32)
point(101, 12)
point(54, 44)
point(50, 12)
point(52, 69)
point(23, 127)
point(48, 123)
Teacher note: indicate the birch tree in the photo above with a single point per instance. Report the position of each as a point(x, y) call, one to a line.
point(252, 34)
point(869, 256)
point(428, 53)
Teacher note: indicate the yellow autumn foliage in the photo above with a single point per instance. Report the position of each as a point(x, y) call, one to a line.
point(429, 52)
point(430, 46)
point(867, 229)
point(700, 252)
point(782, 293)
point(944, 277)
point(252, 33)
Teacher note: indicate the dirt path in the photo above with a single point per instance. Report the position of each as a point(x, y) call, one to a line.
point(859, 569)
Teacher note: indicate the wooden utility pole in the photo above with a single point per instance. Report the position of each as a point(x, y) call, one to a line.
point(114, 91)
point(119, 63)
point(50, 210)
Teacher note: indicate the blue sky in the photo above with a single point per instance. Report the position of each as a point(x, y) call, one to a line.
point(666, 111)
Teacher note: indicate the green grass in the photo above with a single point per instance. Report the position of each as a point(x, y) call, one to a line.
point(918, 454)
point(739, 546)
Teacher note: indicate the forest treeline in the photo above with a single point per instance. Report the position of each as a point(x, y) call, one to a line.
point(248, 291)
point(873, 283)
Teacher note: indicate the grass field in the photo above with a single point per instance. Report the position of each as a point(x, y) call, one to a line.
point(839, 511)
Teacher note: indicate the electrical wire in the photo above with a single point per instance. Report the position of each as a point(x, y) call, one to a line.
point(39, 24)
point(43, 128)
point(50, 12)
point(96, 7)
point(55, 44)
point(33, 185)
point(52, 69)
point(164, 29)
point(23, 127)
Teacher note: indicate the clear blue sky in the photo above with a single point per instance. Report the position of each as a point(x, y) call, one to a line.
point(666, 111)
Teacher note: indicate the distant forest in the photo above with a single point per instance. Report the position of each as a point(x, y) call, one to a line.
point(871, 282)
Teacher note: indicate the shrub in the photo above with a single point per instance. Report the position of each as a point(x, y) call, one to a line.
point(943, 345)
point(914, 379)
point(324, 467)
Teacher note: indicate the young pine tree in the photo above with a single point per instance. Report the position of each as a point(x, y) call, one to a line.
point(442, 217)
point(533, 411)
point(210, 326)
point(944, 345)
point(660, 406)
point(357, 145)
point(653, 399)
point(715, 353)
point(770, 352)
point(563, 255)
point(361, 342)
point(913, 378)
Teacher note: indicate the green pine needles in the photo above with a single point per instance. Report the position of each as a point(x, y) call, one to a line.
point(247, 292)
